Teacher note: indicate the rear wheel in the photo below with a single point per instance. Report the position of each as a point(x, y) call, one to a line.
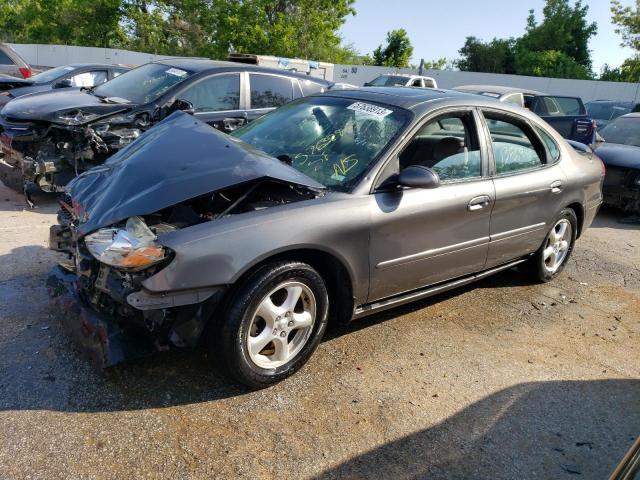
point(273, 323)
point(551, 258)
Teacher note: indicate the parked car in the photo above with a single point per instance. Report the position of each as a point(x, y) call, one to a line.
point(402, 80)
point(11, 63)
point(567, 115)
point(621, 154)
point(603, 111)
point(328, 209)
point(85, 75)
point(48, 138)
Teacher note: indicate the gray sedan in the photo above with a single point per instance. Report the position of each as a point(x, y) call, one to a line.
point(328, 209)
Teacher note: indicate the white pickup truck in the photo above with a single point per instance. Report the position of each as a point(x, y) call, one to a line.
point(402, 80)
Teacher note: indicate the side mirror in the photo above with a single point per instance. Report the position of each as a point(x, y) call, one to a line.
point(181, 105)
point(64, 83)
point(418, 176)
point(366, 84)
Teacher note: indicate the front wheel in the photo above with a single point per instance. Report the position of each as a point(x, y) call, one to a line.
point(551, 258)
point(273, 323)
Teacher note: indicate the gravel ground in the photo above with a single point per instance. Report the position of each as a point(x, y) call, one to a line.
point(503, 379)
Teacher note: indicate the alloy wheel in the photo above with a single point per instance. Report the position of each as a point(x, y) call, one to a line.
point(281, 324)
point(557, 245)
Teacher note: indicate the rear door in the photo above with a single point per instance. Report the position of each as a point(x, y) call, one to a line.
point(567, 115)
point(528, 184)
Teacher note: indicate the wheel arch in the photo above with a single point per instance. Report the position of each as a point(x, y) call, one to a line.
point(578, 209)
point(338, 277)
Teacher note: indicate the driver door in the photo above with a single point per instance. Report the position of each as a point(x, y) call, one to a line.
point(421, 237)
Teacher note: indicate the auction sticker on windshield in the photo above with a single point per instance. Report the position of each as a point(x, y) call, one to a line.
point(370, 109)
point(177, 72)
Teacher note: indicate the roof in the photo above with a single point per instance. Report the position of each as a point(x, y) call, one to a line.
point(499, 89)
point(404, 97)
point(91, 65)
point(631, 115)
point(199, 65)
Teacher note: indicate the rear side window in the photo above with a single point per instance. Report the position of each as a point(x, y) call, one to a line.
point(559, 106)
point(4, 59)
point(515, 147)
point(309, 87)
point(270, 90)
point(551, 145)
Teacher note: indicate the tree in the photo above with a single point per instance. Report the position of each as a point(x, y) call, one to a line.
point(439, 64)
point(563, 29)
point(550, 63)
point(396, 53)
point(628, 21)
point(208, 28)
point(496, 56)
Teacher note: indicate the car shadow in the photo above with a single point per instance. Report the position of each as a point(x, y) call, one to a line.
point(555, 429)
point(12, 201)
point(609, 217)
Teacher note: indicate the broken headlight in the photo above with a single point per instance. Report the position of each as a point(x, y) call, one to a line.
point(132, 248)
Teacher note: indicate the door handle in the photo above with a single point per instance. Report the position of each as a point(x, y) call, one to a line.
point(478, 203)
point(556, 187)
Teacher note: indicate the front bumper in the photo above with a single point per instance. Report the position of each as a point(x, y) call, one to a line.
point(100, 338)
point(108, 341)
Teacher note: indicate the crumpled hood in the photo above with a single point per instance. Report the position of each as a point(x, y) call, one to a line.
point(178, 159)
point(616, 155)
point(45, 106)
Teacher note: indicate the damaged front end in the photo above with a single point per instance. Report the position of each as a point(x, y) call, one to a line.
point(48, 155)
point(112, 223)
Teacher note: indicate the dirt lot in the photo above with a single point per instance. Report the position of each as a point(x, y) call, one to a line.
point(503, 379)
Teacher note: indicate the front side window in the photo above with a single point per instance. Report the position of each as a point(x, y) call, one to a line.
point(268, 91)
point(448, 145)
point(89, 79)
point(214, 94)
point(515, 146)
point(143, 84)
point(332, 140)
point(309, 87)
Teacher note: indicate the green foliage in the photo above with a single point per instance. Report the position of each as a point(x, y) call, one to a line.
point(563, 29)
point(396, 53)
point(208, 28)
point(496, 56)
point(629, 71)
point(439, 64)
point(550, 63)
point(558, 46)
point(628, 21)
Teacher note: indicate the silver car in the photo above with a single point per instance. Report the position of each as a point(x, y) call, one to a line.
point(12, 64)
point(331, 208)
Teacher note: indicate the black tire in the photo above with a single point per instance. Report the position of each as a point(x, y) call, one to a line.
point(535, 267)
point(12, 177)
point(228, 336)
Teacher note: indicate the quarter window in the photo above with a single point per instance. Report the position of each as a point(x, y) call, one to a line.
point(309, 87)
point(448, 145)
point(217, 93)
point(552, 147)
point(514, 145)
point(5, 59)
point(269, 91)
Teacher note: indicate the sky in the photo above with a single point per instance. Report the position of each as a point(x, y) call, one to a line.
point(438, 28)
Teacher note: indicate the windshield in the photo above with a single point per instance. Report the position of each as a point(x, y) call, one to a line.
point(607, 111)
point(144, 84)
point(332, 140)
point(389, 81)
point(50, 75)
point(625, 131)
